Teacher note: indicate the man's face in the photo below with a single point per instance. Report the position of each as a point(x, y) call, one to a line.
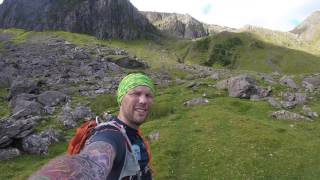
point(135, 106)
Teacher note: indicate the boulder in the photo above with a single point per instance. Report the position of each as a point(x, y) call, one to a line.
point(215, 76)
point(130, 63)
point(51, 98)
point(308, 112)
point(51, 136)
point(242, 86)
point(27, 108)
point(287, 81)
point(82, 112)
point(23, 86)
point(34, 144)
point(12, 129)
point(66, 117)
point(301, 98)
point(288, 96)
point(9, 153)
point(262, 92)
point(286, 115)
point(19, 99)
point(311, 83)
point(288, 104)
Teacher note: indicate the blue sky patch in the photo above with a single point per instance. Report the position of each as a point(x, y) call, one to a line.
point(295, 22)
point(206, 9)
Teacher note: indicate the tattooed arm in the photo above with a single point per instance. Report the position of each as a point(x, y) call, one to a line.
point(94, 162)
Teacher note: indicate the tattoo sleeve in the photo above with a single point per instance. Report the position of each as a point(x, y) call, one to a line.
point(94, 162)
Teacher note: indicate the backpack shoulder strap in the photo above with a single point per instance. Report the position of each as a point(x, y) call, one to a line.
point(119, 127)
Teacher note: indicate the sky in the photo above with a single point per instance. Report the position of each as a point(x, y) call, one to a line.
point(282, 15)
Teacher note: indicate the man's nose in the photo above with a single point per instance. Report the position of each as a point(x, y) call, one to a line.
point(143, 99)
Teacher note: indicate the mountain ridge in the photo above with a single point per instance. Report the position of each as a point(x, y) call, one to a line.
point(103, 18)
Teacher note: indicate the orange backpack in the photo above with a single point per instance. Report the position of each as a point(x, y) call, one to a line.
point(77, 143)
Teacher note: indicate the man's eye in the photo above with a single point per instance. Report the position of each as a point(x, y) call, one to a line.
point(135, 93)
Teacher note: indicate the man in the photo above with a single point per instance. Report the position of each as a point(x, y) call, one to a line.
point(116, 150)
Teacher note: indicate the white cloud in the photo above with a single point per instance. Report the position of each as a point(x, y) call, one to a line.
point(273, 14)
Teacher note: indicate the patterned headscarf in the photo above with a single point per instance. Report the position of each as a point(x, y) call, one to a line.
point(131, 81)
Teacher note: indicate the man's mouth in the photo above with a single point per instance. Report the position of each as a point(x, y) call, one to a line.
point(141, 109)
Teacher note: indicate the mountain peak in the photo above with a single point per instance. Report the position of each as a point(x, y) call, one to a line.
point(309, 29)
point(101, 18)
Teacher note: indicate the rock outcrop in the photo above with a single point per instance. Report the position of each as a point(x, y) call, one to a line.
point(309, 29)
point(101, 18)
point(177, 25)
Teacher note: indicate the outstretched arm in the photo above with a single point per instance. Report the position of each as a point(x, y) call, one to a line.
point(94, 162)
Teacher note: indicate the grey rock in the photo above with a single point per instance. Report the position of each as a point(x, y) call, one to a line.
point(288, 104)
point(51, 98)
point(51, 136)
point(308, 112)
point(263, 92)
point(242, 86)
point(177, 25)
point(14, 129)
point(23, 86)
point(196, 101)
point(20, 99)
point(130, 63)
point(215, 76)
point(49, 110)
point(301, 98)
point(27, 108)
point(287, 81)
point(82, 112)
point(288, 96)
point(286, 115)
point(274, 103)
point(5, 141)
point(66, 117)
point(311, 83)
point(34, 144)
point(9, 153)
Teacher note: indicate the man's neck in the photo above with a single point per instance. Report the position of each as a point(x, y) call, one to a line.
point(124, 120)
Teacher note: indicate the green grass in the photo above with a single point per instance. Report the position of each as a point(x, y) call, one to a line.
point(23, 166)
point(253, 53)
point(4, 105)
point(228, 138)
point(233, 139)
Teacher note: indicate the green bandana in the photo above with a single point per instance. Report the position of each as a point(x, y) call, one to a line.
point(131, 81)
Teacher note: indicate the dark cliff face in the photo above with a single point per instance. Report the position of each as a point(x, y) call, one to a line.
point(101, 18)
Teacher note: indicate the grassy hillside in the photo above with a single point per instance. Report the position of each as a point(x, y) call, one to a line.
point(228, 138)
point(244, 51)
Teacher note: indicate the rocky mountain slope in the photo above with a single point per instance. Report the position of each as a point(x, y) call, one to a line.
point(177, 25)
point(182, 25)
point(101, 18)
point(309, 29)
